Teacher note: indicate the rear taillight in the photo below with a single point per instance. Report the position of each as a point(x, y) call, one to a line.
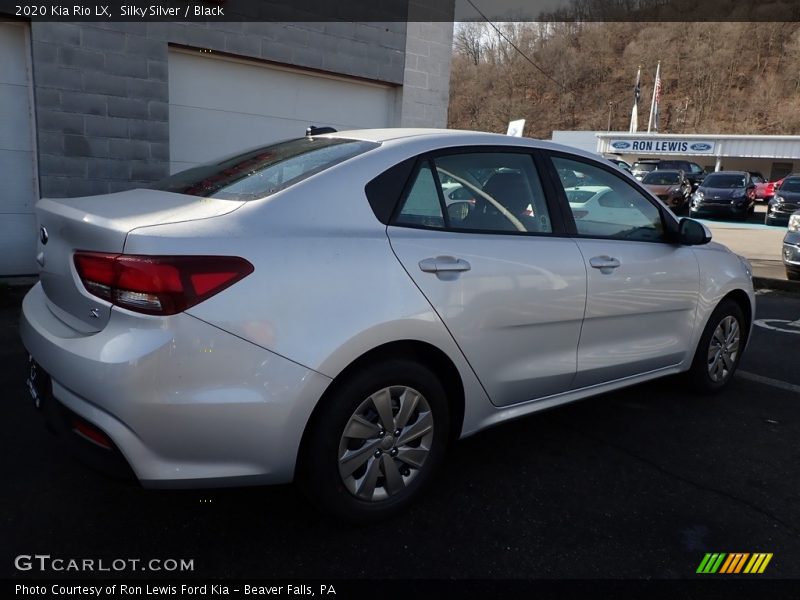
point(158, 285)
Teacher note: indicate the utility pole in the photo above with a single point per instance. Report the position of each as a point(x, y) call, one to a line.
point(610, 110)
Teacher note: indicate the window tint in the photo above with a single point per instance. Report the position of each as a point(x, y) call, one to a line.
point(497, 191)
point(263, 171)
point(614, 209)
point(421, 206)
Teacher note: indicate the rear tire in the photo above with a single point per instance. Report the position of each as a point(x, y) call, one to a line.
point(719, 350)
point(374, 445)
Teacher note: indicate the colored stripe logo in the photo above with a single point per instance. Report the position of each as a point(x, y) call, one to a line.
point(734, 563)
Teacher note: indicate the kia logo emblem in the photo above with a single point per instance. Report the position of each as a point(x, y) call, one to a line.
point(43, 235)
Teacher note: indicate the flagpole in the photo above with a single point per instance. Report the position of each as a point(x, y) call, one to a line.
point(653, 101)
point(635, 110)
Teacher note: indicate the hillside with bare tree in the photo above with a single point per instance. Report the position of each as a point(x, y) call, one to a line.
point(716, 77)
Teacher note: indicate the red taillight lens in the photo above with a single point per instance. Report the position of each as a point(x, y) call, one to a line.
point(158, 285)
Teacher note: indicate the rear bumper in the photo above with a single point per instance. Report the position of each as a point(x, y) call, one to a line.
point(187, 404)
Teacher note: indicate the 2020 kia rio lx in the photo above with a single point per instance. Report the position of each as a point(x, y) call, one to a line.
point(316, 310)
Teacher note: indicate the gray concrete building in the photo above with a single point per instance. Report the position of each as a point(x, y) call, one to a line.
point(92, 108)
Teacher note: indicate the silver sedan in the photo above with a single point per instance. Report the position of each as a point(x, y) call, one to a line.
point(317, 310)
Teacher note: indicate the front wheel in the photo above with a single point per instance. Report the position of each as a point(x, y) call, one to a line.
point(719, 350)
point(374, 445)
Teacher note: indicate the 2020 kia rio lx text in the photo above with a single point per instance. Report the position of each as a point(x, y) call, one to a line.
point(316, 310)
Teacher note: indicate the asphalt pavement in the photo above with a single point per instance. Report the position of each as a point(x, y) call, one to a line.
point(638, 484)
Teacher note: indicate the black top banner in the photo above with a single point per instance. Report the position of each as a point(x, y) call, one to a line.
point(402, 10)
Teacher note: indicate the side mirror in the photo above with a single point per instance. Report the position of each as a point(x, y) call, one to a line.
point(693, 233)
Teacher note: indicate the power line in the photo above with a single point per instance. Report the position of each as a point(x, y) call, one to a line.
point(513, 45)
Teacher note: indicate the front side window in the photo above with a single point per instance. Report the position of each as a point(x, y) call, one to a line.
point(263, 171)
point(609, 207)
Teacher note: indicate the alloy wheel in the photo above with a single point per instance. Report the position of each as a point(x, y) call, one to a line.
point(723, 349)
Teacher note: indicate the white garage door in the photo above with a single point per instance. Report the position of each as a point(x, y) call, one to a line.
point(219, 106)
point(18, 190)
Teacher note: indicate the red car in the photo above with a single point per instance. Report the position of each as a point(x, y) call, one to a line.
point(765, 190)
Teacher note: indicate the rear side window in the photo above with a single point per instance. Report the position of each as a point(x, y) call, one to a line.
point(263, 171)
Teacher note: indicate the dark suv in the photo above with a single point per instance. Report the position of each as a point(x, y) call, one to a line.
point(693, 172)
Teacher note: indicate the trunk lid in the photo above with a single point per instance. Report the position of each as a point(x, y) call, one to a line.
point(101, 224)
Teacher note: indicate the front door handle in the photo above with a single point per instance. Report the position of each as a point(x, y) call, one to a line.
point(606, 264)
point(444, 264)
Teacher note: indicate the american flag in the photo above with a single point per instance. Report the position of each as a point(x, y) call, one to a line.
point(658, 99)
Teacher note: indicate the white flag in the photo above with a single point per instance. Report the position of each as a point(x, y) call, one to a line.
point(637, 91)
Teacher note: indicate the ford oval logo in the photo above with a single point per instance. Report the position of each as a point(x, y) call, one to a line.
point(621, 145)
point(701, 147)
point(43, 235)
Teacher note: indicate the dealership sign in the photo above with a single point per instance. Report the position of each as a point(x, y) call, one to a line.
point(664, 146)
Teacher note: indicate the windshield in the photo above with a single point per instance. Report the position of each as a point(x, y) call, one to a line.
point(263, 171)
point(637, 166)
point(662, 178)
point(790, 185)
point(728, 180)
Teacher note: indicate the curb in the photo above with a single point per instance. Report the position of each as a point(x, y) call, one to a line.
point(783, 285)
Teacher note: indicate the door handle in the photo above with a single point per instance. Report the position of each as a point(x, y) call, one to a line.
point(606, 264)
point(444, 264)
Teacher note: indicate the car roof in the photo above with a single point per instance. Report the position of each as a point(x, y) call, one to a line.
point(728, 173)
point(456, 137)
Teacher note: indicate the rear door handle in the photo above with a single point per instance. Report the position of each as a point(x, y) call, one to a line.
point(444, 264)
point(606, 264)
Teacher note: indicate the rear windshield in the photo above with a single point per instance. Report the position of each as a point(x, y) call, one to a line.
point(724, 181)
point(263, 171)
point(661, 178)
point(637, 166)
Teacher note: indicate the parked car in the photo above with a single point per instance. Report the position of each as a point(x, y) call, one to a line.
point(791, 248)
point(785, 201)
point(762, 186)
point(693, 172)
point(671, 187)
point(313, 311)
point(621, 164)
point(766, 191)
point(725, 193)
point(642, 167)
